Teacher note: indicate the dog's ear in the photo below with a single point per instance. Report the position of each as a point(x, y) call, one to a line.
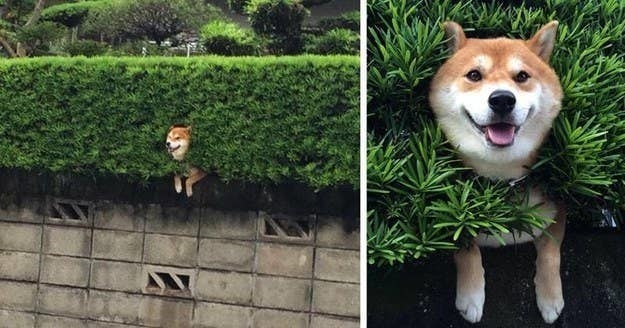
point(171, 127)
point(189, 128)
point(455, 36)
point(543, 41)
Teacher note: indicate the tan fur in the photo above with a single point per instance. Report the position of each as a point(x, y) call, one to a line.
point(178, 142)
point(462, 108)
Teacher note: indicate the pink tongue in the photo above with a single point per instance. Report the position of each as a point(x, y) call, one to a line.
point(500, 134)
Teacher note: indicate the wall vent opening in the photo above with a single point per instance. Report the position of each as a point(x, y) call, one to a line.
point(168, 282)
point(287, 228)
point(71, 212)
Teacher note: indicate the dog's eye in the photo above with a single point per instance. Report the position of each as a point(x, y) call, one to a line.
point(474, 75)
point(521, 77)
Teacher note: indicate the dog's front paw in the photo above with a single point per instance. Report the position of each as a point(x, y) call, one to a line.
point(550, 308)
point(178, 184)
point(471, 305)
point(189, 192)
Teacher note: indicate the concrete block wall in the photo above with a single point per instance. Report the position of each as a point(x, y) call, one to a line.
point(75, 263)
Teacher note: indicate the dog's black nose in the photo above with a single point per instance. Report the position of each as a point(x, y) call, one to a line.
point(501, 102)
point(168, 143)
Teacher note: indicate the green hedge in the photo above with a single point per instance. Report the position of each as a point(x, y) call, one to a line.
point(256, 119)
point(420, 198)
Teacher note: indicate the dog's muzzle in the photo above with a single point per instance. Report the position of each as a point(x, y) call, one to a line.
point(170, 148)
point(499, 134)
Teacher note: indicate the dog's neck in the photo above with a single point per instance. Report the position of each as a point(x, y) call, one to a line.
point(498, 171)
point(178, 155)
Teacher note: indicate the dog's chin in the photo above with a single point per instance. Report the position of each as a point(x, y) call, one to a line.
point(496, 135)
point(178, 153)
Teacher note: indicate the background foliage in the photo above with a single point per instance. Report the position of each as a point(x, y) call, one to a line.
point(170, 28)
point(335, 41)
point(421, 199)
point(229, 39)
point(280, 21)
point(257, 119)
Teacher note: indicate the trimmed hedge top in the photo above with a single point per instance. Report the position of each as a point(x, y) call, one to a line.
point(267, 119)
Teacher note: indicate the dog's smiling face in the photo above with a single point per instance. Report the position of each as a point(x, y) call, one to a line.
point(496, 99)
point(178, 140)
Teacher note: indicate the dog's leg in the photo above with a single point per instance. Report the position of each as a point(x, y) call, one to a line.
point(177, 183)
point(195, 175)
point(470, 283)
point(548, 284)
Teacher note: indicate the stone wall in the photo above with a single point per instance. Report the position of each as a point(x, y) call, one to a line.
point(97, 263)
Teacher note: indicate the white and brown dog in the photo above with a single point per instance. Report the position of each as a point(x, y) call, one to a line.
point(178, 143)
point(495, 100)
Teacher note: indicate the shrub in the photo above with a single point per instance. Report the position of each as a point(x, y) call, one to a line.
point(256, 119)
point(37, 37)
point(226, 38)
point(69, 14)
point(349, 21)
point(420, 200)
point(280, 21)
point(337, 41)
point(86, 48)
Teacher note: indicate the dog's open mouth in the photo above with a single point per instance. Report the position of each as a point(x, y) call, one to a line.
point(172, 149)
point(498, 134)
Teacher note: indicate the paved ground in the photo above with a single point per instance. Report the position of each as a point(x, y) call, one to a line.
point(593, 277)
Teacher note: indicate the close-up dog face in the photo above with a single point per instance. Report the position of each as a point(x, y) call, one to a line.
point(496, 99)
point(178, 140)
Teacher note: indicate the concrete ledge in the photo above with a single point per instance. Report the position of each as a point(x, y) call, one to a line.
point(422, 294)
point(288, 197)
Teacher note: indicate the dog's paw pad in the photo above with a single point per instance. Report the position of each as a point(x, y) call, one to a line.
point(471, 306)
point(550, 309)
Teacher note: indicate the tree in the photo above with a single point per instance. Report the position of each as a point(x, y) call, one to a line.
point(280, 21)
point(155, 20)
point(70, 14)
point(12, 16)
point(238, 6)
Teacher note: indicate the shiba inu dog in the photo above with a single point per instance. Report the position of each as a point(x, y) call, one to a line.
point(495, 100)
point(178, 143)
